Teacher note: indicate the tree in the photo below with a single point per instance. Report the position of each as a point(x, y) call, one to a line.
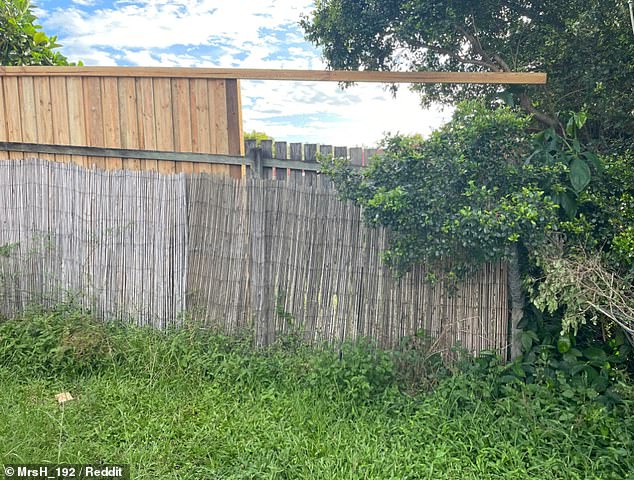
point(585, 46)
point(257, 136)
point(465, 194)
point(22, 41)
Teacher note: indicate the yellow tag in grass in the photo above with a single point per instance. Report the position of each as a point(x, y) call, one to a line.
point(63, 397)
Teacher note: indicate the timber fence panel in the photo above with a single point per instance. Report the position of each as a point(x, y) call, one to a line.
point(117, 110)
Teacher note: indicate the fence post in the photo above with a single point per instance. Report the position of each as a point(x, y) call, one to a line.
point(256, 156)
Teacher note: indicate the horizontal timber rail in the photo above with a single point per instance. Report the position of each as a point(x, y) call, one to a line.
point(254, 158)
point(526, 78)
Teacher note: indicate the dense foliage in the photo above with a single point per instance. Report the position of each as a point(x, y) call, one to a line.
point(196, 404)
point(22, 41)
point(466, 193)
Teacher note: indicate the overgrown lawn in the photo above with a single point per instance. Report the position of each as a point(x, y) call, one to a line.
point(192, 404)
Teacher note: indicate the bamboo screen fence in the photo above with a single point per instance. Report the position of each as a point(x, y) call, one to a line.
point(167, 110)
point(252, 253)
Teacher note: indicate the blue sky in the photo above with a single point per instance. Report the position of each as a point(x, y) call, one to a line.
point(241, 34)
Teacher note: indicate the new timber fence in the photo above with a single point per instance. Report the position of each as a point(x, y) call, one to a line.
point(247, 253)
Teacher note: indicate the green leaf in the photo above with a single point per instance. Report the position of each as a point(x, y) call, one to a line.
point(564, 344)
point(595, 355)
point(579, 174)
point(39, 37)
point(593, 160)
point(527, 341)
point(580, 119)
point(569, 204)
point(600, 384)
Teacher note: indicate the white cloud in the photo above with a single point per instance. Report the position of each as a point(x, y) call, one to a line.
point(360, 115)
point(246, 34)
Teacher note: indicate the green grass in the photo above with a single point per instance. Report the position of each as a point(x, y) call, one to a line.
point(193, 404)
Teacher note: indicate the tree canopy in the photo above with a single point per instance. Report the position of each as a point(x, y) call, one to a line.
point(22, 41)
point(585, 46)
point(465, 193)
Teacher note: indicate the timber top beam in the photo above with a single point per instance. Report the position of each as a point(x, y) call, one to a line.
point(295, 75)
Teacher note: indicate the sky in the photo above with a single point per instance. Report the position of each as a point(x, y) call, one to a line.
point(239, 34)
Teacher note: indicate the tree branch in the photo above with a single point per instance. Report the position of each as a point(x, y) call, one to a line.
point(527, 106)
point(459, 58)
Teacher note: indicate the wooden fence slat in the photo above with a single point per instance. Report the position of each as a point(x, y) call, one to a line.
point(76, 116)
point(129, 118)
point(3, 120)
point(147, 125)
point(219, 121)
point(267, 153)
point(325, 150)
point(43, 112)
point(203, 134)
point(60, 115)
point(356, 156)
point(28, 109)
point(234, 125)
point(182, 122)
point(341, 152)
point(281, 153)
point(111, 120)
point(12, 112)
point(94, 118)
point(164, 121)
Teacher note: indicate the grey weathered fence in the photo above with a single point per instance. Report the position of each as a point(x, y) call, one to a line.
point(247, 253)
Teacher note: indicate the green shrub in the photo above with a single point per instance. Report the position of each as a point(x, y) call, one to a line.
point(49, 343)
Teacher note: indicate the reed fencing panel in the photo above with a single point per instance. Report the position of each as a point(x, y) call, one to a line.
point(269, 256)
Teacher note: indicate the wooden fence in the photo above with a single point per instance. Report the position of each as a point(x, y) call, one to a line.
point(241, 253)
point(170, 120)
point(122, 109)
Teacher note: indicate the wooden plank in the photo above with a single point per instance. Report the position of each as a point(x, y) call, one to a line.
point(147, 126)
point(60, 108)
point(296, 155)
point(341, 152)
point(234, 124)
point(310, 156)
point(94, 118)
point(28, 112)
point(182, 122)
point(76, 117)
point(205, 158)
point(281, 153)
point(164, 121)
point(356, 156)
point(528, 78)
point(325, 150)
point(43, 112)
point(12, 114)
point(202, 133)
point(267, 153)
point(296, 151)
point(219, 121)
point(4, 155)
point(129, 120)
point(111, 119)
